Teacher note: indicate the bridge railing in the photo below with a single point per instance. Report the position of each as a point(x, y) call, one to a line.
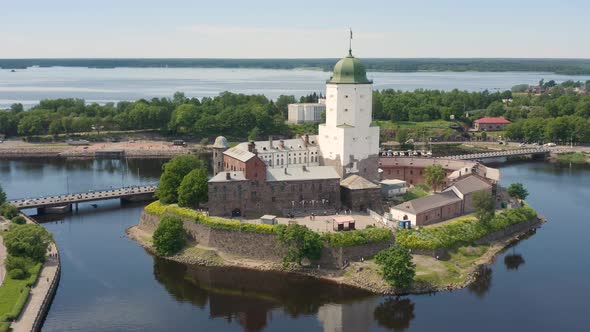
point(83, 192)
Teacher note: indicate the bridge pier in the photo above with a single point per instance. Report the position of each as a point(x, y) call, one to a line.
point(55, 209)
point(138, 198)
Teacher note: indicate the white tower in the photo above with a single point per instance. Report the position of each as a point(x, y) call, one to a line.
point(348, 140)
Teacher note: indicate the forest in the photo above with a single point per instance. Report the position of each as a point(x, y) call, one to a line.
point(561, 115)
point(558, 66)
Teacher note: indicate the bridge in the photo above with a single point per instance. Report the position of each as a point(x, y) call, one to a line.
point(64, 203)
point(542, 152)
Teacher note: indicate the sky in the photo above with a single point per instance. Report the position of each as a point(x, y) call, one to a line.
point(294, 29)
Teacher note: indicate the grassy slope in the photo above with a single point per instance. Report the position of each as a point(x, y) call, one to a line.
point(14, 294)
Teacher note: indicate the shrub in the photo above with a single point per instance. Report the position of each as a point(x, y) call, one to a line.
point(169, 237)
point(462, 231)
point(22, 264)
point(2, 196)
point(397, 266)
point(17, 274)
point(300, 241)
point(19, 220)
point(8, 211)
point(29, 241)
point(358, 237)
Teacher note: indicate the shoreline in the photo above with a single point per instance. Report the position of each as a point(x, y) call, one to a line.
point(361, 275)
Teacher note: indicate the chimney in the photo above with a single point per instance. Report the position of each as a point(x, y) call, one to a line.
point(306, 139)
point(228, 176)
point(282, 144)
point(304, 168)
point(270, 141)
point(285, 170)
point(251, 146)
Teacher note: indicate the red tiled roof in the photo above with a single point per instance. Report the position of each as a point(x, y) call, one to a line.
point(492, 120)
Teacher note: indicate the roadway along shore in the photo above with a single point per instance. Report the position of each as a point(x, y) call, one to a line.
point(130, 149)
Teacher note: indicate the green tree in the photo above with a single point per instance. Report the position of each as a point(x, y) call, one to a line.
point(435, 176)
point(2, 195)
point(30, 125)
point(518, 191)
point(8, 211)
point(19, 220)
point(484, 205)
point(193, 188)
point(174, 171)
point(169, 238)
point(30, 240)
point(300, 241)
point(397, 266)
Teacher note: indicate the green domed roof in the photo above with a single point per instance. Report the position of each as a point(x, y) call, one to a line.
point(349, 70)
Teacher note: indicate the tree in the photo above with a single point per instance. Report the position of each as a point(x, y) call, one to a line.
point(395, 313)
point(174, 171)
point(484, 205)
point(518, 191)
point(30, 241)
point(300, 241)
point(435, 176)
point(8, 211)
point(30, 125)
point(397, 266)
point(401, 136)
point(169, 237)
point(193, 188)
point(19, 220)
point(2, 195)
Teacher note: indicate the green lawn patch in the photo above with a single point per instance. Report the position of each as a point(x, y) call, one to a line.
point(358, 237)
point(14, 294)
point(573, 158)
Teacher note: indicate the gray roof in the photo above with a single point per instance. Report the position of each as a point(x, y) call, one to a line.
point(427, 203)
point(356, 182)
point(234, 176)
point(290, 144)
point(469, 184)
point(239, 154)
point(299, 174)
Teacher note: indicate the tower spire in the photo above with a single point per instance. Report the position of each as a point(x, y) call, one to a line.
point(350, 42)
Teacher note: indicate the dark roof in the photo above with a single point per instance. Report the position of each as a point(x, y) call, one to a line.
point(469, 184)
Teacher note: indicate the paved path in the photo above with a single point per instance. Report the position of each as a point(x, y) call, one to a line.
point(38, 293)
point(2, 259)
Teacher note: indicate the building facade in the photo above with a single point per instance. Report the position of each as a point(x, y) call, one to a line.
point(306, 112)
point(490, 124)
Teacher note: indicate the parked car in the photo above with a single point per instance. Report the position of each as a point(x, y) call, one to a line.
point(550, 145)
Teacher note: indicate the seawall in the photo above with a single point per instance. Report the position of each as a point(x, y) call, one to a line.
point(258, 246)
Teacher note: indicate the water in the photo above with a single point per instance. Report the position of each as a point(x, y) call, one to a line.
point(30, 85)
point(109, 283)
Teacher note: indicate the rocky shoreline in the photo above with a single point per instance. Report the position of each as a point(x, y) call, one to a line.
point(363, 275)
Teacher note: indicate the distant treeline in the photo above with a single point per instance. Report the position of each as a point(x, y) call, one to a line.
point(559, 66)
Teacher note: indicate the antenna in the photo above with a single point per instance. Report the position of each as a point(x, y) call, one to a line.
point(350, 42)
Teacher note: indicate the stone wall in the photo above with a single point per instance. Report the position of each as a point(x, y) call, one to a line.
point(508, 231)
point(245, 244)
point(261, 246)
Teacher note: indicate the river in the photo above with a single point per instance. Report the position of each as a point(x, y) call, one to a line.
point(28, 86)
point(110, 283)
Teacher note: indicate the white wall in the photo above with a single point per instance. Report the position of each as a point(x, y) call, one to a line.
point(399, 215)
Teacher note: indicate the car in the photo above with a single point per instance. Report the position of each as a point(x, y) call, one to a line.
point(550, 145)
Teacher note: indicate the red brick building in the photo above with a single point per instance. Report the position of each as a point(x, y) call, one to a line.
point(490, 124)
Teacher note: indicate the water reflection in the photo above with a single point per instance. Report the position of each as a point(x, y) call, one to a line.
point(395, 313)
point(482, 283)
point(249, 297)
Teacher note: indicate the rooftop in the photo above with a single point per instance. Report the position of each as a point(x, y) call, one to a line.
point(301, 173)
point(289, 144)
point(349, 70)
point(356, 182)
point(469, 184)
point(233, 176)
point(492, 120)
point(427, 203)
point(239, 154)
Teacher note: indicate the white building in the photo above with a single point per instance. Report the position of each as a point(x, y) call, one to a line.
point(348, 140)
point(295, 152)
point(306, 112)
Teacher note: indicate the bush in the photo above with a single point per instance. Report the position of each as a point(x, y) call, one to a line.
point(19, 220)
point(461, 232)
point(159, 209)
point(17, 274)
point(28, 241)
point(397, 266)
point(300, 241)
point(170, 237)
point(8, 211)
point(358, 237)
point(21, 264)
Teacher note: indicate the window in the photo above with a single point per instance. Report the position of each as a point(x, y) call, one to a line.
point(273, 199)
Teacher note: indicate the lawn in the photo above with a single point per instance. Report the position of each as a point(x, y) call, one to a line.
point(14, 294)
point(573, 158)
point(441, 273)
point(416, 192)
